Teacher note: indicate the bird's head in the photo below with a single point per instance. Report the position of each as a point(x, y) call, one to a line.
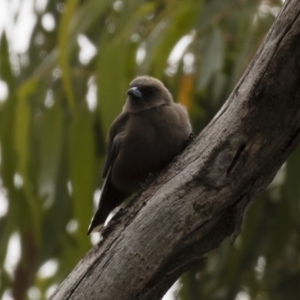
point(146, 92)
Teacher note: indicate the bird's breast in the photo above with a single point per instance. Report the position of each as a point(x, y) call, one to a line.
point(149, 143)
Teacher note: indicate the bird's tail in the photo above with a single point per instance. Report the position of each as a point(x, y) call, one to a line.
point(110, 198)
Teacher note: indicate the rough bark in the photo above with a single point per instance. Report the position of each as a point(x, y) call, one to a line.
point(202, 196)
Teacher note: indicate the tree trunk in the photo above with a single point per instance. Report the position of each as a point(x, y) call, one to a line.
point(202, 196)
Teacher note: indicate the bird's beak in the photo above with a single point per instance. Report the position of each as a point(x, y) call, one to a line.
point(134, 92)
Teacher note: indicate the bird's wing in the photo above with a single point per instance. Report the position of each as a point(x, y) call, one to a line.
point(108, 191)
point(114, 138)
point(110, 157)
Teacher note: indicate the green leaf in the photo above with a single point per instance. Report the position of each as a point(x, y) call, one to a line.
point(63, 58)
point(22, 125)
point(5, 67)
point(50, 148)
point(161, 41)
point(212, 60)
point(82, 169)
point(23, 116)
point(111, 84)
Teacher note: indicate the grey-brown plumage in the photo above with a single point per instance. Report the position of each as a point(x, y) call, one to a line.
point(144, 138)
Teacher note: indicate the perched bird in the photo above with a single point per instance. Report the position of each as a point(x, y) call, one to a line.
point(143, 139)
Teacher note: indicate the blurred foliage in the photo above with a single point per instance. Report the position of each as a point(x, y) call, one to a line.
point(52, 134)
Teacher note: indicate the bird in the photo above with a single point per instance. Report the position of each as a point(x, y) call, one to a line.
point(149, 132)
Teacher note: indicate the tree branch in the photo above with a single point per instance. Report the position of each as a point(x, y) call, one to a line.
point(202, 196)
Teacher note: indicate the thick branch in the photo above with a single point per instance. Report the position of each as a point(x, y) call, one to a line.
point(202, 197)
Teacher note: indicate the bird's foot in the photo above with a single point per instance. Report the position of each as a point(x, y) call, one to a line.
point(189, 140)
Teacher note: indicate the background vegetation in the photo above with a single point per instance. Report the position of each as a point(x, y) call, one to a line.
point(59, 95)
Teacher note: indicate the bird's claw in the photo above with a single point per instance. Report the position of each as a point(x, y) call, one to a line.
point(190, 140)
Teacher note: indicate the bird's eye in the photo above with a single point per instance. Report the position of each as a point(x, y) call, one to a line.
point(150, 91)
